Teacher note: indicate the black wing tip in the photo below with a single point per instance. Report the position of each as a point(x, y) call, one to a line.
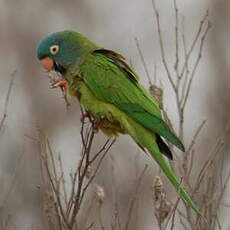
point(183, 149)
point(163, 147)
point(170, 156)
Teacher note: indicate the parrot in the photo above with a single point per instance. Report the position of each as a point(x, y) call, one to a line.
point(110, 90)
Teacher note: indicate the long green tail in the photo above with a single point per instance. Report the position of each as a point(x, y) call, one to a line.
point(147, 140)
point(158, 157)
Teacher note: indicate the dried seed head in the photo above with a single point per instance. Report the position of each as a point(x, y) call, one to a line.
point(158, 189)
point(100, 193)
point(88, 172)
point(162, 205)
point(49, 204)
point(164, 211)
point(157, 93)
point(54, 77)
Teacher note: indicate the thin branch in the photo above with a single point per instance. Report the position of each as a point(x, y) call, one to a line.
point(173, 212)
point(90, 226)
point(63, 180)
point(96, 170)
point(81, 177)
point(56, 193)
point(104, 148)
point(186, 156)
point(143, 60)
point(202, 22)
point(176, 38)
point(5, 109)
point(196, 135)
point(162, 46)
point(196, 65)
point(12, 183)
point(185, 78)
point(217, 147)
point(134, 198)
point(223, 190)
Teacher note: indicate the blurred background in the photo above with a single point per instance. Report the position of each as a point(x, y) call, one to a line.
point(114, 25)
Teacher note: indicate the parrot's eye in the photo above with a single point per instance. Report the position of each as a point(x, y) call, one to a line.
point(54, 49)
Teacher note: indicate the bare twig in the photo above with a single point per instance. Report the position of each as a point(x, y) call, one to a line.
point(5, 109)
point(218, 146)
point(63, 180)
point(187, 169)
point(173, 212)
point(176, 38)
point(162, 46)
point(196, 135)
point(196, 65)
point(12, 183)
point(97, 168)
point(202, 22)
point(67, 206)
point(135, 197)
point(143, 60)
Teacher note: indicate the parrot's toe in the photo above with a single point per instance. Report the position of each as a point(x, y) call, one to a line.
point(98, 124)
point(63, 84)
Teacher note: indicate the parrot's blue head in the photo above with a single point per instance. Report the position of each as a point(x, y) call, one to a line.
point(62, 50)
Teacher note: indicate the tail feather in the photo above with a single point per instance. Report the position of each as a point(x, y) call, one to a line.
point(148, 140)
point(158, 157)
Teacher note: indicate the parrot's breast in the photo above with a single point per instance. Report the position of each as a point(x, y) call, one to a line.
point(109, 116)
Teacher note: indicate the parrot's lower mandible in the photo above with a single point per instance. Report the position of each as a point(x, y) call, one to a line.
point(110, 91)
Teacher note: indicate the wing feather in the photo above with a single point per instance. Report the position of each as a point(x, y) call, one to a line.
point(111, 80)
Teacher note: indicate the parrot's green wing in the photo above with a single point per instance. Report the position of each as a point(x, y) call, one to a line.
point(112, 80)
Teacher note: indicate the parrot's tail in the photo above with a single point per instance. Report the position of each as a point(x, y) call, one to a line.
point(154, 144)
point(164, 165)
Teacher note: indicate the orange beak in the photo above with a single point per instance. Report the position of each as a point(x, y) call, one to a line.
point(47, 63)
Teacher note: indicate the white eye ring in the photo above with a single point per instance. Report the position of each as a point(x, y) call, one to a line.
point(54, 49)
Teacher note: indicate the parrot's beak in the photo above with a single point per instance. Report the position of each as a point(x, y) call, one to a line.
point(47, 63)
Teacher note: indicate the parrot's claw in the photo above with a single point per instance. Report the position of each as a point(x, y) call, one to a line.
point(63, 84)
point(98, 124)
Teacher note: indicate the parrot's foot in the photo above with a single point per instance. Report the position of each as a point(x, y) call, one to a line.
point(98, 124)
point(63, 84)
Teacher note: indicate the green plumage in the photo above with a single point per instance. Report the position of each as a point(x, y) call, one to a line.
point(110, 90)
